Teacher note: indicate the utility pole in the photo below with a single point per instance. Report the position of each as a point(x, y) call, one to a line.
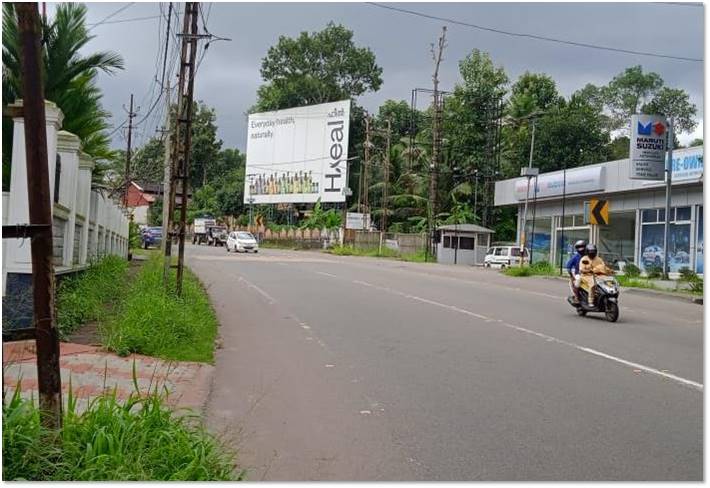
point(366, 169)
point(666, 225)
point(184, 125)
point(127, 176)
point(386, 189)
point(166, 246)
point(436, 133)
point(40, 213)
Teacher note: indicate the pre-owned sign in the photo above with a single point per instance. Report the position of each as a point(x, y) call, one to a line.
point(648, 147)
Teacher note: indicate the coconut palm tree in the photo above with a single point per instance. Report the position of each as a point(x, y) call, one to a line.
point(69, 76)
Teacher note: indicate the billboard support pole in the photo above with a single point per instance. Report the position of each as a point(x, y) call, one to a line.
point(666, 226)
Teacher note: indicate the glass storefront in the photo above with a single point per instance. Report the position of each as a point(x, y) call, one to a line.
point(616, 240)
point(565, 243)
point(539, 241)
point(652, 229)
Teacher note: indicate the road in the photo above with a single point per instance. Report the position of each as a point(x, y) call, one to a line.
point(347, 368)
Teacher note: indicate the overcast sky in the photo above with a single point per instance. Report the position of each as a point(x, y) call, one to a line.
point(228, 76)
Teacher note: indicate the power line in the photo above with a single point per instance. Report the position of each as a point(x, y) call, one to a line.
point(110, 15)
point(134, 19)
point(533, 36)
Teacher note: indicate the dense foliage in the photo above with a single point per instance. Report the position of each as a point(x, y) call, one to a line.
point(138, 439)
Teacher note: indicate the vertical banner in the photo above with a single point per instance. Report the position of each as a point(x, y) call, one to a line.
point(648, 147)
point(298, 155)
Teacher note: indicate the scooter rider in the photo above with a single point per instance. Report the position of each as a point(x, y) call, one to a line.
point(573, 268)
point(592, 265)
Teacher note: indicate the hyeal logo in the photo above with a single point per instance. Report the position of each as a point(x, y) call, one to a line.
point(646, 130)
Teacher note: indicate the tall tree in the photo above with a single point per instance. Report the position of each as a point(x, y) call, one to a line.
point(313, 68)
point(675, 103)
point(628, 91)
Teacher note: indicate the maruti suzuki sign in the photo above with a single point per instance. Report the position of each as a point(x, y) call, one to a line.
point(648, 147)
point(298, 155)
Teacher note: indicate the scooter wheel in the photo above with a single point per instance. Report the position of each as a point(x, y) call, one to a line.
point(612, 311)
point(581, 312)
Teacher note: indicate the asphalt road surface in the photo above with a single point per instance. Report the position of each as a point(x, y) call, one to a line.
point(346, 368)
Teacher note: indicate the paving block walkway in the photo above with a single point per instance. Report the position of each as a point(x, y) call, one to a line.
point(92, 371)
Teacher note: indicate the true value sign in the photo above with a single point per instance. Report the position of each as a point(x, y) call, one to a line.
point(648, 147)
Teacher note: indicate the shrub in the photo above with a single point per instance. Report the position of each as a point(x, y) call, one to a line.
point(654, 272)
point(632, 271)
point(152, 322)
point(543, 268)
point(695, 282)
point(84, 296)
point(137, 439)
point(518, 271)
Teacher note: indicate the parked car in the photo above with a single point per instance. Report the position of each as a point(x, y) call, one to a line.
point(151, 237)
point(652, 255)
point(240, 241)
point(502, 256)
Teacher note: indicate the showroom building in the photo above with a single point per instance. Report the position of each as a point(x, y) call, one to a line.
point(555, 218)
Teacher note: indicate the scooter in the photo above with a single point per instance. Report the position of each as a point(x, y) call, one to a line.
point(606, 298)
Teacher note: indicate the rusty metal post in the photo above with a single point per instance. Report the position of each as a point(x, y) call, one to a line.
point(40, 209)
point(185, 117)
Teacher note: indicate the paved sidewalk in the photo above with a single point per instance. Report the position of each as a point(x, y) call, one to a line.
point(92, 371)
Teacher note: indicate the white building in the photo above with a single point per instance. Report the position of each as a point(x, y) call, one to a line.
point(637, 212)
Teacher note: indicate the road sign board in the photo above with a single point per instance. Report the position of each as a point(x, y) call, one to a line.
point(596, 212)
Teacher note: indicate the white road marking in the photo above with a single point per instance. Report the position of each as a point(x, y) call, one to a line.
point(330, 365)
point(326, 274)
point(268, 297)
point(683, 381)
point(304, 326)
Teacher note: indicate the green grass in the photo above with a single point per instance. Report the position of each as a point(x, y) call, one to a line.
point(374, 252)
point(541, 268)
point(85, 296)
point(131, 440)
point(632, 282)
point(155, 323)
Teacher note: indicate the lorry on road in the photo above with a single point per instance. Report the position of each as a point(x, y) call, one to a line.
point(200, 228)
point(217, 235)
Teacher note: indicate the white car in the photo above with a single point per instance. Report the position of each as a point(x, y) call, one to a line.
point(652, 256)
point(502, 256)
point(241, 241)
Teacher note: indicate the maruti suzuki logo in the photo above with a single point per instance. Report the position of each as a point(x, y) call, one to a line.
point(647, 130)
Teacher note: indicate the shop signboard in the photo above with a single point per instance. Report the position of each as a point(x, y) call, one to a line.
point(358, 221)
point(648, 147)
point(298, 155)
point(578, 180)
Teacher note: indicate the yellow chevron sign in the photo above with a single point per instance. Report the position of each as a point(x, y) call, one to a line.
point(599, 212)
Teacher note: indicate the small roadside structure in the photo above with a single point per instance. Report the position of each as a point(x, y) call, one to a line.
point(462, 244)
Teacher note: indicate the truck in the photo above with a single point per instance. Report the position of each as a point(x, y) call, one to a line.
point(217, 235)
point(200, 227)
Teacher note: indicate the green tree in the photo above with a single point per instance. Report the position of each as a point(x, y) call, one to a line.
point(628, 91)
point(619, 148)
point(69, 75)
point(470, 117)
point(320, 67)
point(205, 145)
point(672, 102)
point(634, 91)
point(399, 113)
point(148, 162)
point(696, 142)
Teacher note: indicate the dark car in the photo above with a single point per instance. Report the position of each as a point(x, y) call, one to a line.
point(151, 237)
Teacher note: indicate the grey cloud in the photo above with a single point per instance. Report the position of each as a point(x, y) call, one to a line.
point(229, 76)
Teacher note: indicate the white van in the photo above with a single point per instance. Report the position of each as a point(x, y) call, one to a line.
point(503, 256)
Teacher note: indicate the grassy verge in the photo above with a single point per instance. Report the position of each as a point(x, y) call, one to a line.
point(542, 268)
point(418, 257)
point(137, 439)
point(151, 322)
point(85, 296)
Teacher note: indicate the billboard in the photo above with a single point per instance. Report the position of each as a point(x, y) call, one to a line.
point(298, 155)
point(648, 147)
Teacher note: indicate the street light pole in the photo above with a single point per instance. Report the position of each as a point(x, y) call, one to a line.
point(529, 172)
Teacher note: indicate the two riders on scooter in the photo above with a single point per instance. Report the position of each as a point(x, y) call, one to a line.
point(590, 266)
point(573, 268)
